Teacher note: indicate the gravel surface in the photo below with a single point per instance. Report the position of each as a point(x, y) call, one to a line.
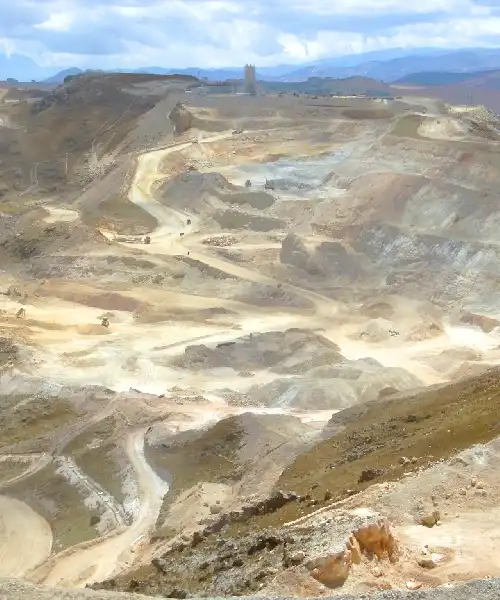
point(477, 590)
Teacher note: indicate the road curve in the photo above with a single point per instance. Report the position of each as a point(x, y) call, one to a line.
point(102, 559)
point(166, 239)
point(105, 557)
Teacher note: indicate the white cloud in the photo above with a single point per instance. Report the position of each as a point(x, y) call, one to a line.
point(57, 22)
point(207, 33)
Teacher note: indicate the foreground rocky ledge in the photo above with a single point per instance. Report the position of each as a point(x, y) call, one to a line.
point(11, 589)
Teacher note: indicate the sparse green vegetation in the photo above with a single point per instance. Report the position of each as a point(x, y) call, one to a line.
point(119, 214)
point(428, 425)
point(51, 496)
point(95, 452)
point(11, 469)
point(407, 126)
point(209, 456)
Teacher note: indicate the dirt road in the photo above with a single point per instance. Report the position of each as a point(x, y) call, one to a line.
point(171, 223)
point(100, 560)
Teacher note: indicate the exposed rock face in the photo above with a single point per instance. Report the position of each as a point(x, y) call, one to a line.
point(261, 507)
point(294, 252)
point(377, 539)
point(8, 351)
point(369, 474)
point(181, 118)
point(430, 519)
point(485, 323)
point(332, 570)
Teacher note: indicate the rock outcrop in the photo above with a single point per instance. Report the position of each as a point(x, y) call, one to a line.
point(293, 252)
point(481, 589)
point(181, 117)
point(372, 539)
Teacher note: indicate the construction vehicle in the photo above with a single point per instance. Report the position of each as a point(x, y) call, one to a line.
point(105, 322)
point(146, 240)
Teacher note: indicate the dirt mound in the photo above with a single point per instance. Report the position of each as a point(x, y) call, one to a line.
point(330, 387)
point(233, 219)
point(293, 252)
point(425, 331)
point(376, 330)
point(30, 237)
point(182, 118)
point(283, 352)
point(487, 324)
point(118, 214)
point(9, 351)
point(246, 452)
point(186, 117)
point(267, 296)
point(327, 259)
point(197, 192)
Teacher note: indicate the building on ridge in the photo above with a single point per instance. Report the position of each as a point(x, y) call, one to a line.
point(250, 80)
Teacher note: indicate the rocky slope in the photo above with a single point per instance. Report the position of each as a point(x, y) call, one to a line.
point(480, 589)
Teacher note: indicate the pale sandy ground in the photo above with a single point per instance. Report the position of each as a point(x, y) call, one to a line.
point(442, 128)
point(60, 214)
point(26, 538)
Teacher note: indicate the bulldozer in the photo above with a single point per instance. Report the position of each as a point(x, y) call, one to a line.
point(105, 322)
point(146, 240)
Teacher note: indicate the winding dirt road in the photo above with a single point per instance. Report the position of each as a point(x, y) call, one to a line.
point(166, 238)
point(100, 560)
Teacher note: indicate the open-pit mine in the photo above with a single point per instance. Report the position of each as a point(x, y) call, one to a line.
point(249, 345)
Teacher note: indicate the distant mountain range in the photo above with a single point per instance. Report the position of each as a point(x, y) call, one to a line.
point(486, 80)
point(389, 66)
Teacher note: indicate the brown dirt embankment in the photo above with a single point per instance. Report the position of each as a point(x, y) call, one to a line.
point(368, 441)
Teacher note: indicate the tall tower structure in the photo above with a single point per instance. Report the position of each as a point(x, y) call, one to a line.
point(250, 81)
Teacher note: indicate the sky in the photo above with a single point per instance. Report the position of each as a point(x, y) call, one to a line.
point(214, 33)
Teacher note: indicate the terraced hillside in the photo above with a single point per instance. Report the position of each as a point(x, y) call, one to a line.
point(249, 344)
